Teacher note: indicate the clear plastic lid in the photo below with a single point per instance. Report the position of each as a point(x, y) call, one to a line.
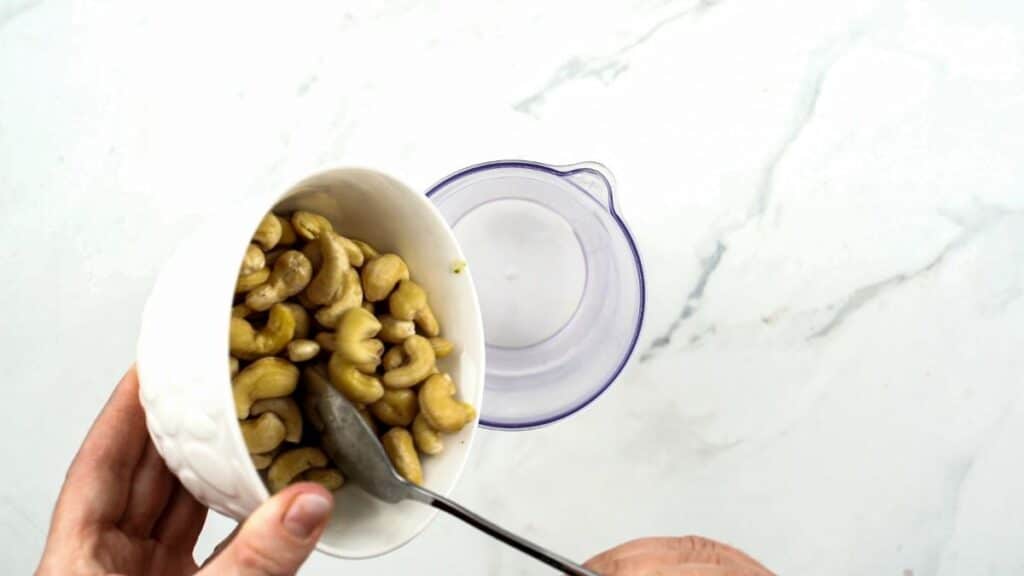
point(560, 283)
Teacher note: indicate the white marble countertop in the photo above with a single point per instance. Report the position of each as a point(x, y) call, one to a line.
point(829, 197)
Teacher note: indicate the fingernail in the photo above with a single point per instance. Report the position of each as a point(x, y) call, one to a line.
point(307, 512)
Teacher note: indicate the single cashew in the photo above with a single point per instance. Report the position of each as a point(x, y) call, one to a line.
point(351, 382)
point(240, 311)
point(301, 317)
point(266, 378)
point(395, 331)
point(428, 441)
point(288, 465)
point(247, 282)
point(440, 408)
point(381, 274)
point(327, 340)
point(442, 347)
point(302, 350)
point(356, 330)
point(268, 234)
point(310, 225)
point(393, 358)
point(409, 302)
point(329, 478)
point(287, 410)
point(368, 306)
point(248, 344)
point(262, 434)
point(355, 255)
point(398, 444)
point(290, 275)
point(288, 236)
point(253, 260)
point(232, 366)
point(419, 364)
point(396, 407)
point(325, 286)
point(312, 251)
point(369, 252)
point(261, 461)
point(350, 296)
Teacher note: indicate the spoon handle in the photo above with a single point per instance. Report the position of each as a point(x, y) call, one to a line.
point(519, 543)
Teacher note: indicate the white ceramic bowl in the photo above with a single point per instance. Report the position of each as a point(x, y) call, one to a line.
point(183, 350)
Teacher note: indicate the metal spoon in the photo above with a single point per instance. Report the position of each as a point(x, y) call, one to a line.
point(354, 448)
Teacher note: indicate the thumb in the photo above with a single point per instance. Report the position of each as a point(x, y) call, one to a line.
point(278, 537)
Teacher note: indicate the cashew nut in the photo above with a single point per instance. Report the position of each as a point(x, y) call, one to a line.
point(265, 378)
point(268, 233)
point(395, 331)
point(288, 236)
point(381, 274)
point(350, 296)
point(309, 225)
point(398, 444)
point(355, 255)
point(396, 407)
point(351, 382)
point(290, 275)
point(253, 260)
point(287, 410)
point(247, 282)
point(326, 340)
point(368, 306)
point(302, 350)
point(409, 302)
point(419, 364)
point(329, 478)
point(248, 344)
point(232, 366)
point(326, 284)
point(301, 317)
point(240, 311)
point(261, 461)
point(288, 465)
point(428, 441)
point(440, 408)
point(356, 330)
point(312, 251)
point(442, 347)
point(393, 358)
point(262, 434)
point(369, 252)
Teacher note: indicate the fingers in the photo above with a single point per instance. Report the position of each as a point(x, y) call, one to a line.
point(647, 555)
point(693, 570)
point(181, 522)
point(150, 490)
point(97, 485)
point(279, 536)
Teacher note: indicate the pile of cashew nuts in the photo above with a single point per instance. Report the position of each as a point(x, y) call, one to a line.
point(314, 305)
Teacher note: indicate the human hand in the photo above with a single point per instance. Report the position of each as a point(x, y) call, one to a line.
point(122, 512)
point(686, 556)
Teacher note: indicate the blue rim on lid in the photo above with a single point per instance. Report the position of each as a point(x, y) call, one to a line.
point(560, 283)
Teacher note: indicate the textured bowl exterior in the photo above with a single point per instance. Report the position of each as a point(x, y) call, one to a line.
point(183, 348)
